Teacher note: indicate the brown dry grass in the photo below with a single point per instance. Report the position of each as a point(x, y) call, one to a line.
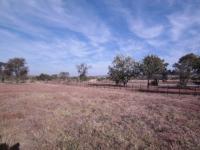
point(47, 116)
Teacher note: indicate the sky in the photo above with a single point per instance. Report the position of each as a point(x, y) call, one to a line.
point(57, 35)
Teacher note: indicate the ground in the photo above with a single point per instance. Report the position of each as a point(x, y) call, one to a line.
point(52, 116)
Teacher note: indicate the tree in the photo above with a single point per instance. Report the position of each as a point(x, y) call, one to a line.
point(2, 71)
point(82, 71)
point(122, 69)
point(17, 68)
point(187, 66)
point(197, 65)
point(54, 76)
point(44, 77)
point(165, 73)
point(63, 75)
point(152, 65)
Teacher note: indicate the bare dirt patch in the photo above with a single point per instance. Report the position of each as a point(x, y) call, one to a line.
point(48, 116)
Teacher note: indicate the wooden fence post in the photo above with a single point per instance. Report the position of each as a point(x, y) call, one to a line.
point(195, 91)
point(167, 90)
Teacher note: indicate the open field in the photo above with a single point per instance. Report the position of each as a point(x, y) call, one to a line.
point(49, 116)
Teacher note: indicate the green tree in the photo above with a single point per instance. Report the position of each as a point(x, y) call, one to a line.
point(152, 65)
point(187, 66)
point(82, 71)
point(165, 73)
point(2, 71)
point(44, 77)
point(197, 65)
point(17, 68)
point(122, 69)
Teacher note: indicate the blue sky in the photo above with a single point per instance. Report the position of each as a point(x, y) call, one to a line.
point(56, 35)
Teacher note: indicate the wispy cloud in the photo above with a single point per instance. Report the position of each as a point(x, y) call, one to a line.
point(55, 35)
point(37, 18)
point(144, 30)
point(24, 21)
point(184, 21)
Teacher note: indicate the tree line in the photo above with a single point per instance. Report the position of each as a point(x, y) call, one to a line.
point(122, 69)
point(17, 69)
point(82, 70)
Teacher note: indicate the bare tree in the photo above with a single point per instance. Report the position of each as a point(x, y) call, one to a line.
point(82, 71)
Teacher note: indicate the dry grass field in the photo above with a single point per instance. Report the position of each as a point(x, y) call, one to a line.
point(52, 117)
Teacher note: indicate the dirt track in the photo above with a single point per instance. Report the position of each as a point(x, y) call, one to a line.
point(47, 116)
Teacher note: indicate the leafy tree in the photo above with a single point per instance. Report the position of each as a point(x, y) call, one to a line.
point(63, 75)
point(152, 65)
point(44, 77)
point(17, 68)
point(197, 65)
point(82, 71)
point(2, 71)
point(122, 69)
point(165, 72)
point(187, 65)
point(171, 72)
point(54, 76)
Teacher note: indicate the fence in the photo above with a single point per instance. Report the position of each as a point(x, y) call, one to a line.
point(142, 87)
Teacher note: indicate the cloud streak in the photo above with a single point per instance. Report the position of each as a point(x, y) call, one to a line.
point(144, 31)
point(56, 35)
